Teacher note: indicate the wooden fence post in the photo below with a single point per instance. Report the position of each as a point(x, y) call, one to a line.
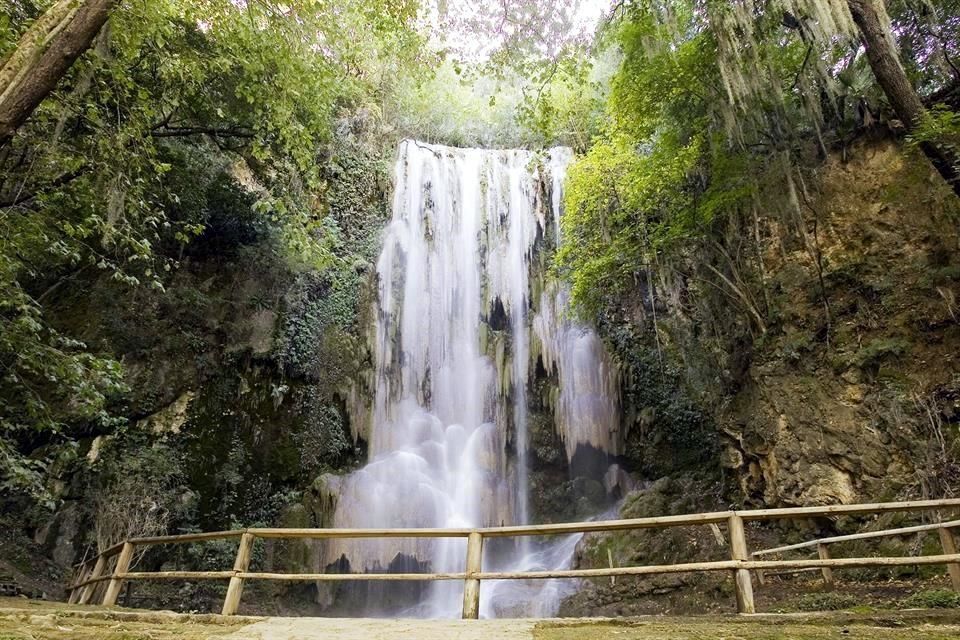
point(761, 574)
point(87, 591)
point(79, 575)
point(741, 577)
point(116, 582)
point(949, 548)
point(471, 586)
point(232, 602)
point(827, 572)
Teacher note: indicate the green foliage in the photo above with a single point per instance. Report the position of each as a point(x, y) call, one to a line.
point(621, 208)
point(311, 310)
point(566, 105)
point(933, 599)
point(711, 102)
point(317, 339)
point(515, 74)
point(826, 601)
point(210, 213)
point(670, 433)
point(323, 441)
point(639, 191)
point(190, 129)
point(461, 107)
point(927, 35)
point(878, 350)
point(939, 126)
point(140, 487)
point(47, 378)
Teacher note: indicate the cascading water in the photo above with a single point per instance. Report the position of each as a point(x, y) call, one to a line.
point(457, 325)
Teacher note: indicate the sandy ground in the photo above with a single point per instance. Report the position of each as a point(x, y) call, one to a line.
point(33, 620)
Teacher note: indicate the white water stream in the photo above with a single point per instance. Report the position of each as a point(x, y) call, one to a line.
point(461, 319)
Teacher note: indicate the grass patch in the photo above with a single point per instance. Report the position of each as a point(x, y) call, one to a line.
point(827, 602)
point(713, 630)
point(42, 620)
point(72, 628)
point(933, 599)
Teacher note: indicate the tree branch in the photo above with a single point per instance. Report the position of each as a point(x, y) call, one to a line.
point(164, 131)
point(60, 181)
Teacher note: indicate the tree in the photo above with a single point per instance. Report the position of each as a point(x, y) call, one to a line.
point(44, 55)
point(745, 94)
point(892, 78)
point(105, 185)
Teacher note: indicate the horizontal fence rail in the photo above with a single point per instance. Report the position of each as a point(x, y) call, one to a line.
point(820, 545)
point(867, 535)
point(112, 566)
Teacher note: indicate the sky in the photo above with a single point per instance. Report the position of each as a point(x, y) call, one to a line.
point(590, 12)
point(459, 27)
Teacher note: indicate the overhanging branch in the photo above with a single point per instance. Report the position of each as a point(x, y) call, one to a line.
point(164, 131)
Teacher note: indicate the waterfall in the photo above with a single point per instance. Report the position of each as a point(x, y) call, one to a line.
point(457, 327)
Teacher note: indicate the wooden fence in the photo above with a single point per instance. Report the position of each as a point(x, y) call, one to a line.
point(821, 546)
point(112, 566)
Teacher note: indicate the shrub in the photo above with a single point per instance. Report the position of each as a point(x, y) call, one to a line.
point(933, 599)
point(826, 602)
point(879, 350)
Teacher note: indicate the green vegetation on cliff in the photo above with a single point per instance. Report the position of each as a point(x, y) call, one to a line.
point(715, 218)
point(188, 223)
point(713, 105)
point(188, 130)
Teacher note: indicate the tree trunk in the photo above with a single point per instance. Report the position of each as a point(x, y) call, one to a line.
point(30, 46)
point(892, 78)
point(44, 55)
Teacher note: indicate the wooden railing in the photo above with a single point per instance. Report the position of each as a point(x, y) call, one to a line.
point(821, 547)
point(112, 566)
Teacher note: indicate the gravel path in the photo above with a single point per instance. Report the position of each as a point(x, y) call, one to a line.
point(379, 629)
point(918, 625)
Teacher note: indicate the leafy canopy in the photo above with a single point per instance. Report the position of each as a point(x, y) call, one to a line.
point(712, 98)
point(88, 189)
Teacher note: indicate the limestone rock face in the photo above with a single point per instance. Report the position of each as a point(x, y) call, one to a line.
point(262, 325)
point(60, 535)
point(171, 418)
point(801, 444)
point(321, 499)
point(860, 405)
point(847, 388)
